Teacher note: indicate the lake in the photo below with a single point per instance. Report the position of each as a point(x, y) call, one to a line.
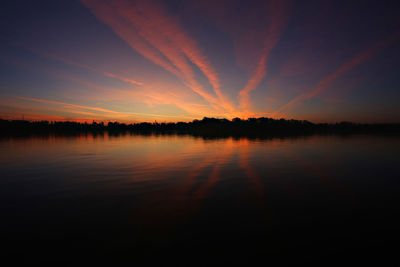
point(191, 200)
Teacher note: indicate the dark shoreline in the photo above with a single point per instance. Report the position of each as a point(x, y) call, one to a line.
point(208, 128)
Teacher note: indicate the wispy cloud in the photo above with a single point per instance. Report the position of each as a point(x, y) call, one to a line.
point(107, 74)
point(96, 112)
point(324, 83)
point(157, 36)
point(276, 22)
point(73, 63)
point(68, 104)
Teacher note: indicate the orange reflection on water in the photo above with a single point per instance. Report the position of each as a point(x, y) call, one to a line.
point(183, 197)
point(165, 210)
point(214, 177)
point(251, 174)
point(170, 180)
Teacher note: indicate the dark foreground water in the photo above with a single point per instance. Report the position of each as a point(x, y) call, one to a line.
point(191, 201)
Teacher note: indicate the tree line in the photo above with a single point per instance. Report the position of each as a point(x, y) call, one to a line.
point(206, 126)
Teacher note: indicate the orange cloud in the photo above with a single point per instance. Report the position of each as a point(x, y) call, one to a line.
point(108, 74)
point(324, 83)
point(67, 104)
point(13, 110)
point(104, 113)
point(149, 30)
point(151, 95)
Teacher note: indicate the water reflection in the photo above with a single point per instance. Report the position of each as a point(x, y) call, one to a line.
point(309, 167)
point(136, 194)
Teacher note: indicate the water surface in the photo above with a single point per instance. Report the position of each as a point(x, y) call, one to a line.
point(192, 200)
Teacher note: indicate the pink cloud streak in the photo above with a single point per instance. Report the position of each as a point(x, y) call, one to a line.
point(352, 63)
point(149, 30)
point(272, 36)
point(108, 113)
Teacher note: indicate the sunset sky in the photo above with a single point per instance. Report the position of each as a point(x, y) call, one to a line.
point(180, 60)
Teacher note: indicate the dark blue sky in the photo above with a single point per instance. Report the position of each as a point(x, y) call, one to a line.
point(180, 60)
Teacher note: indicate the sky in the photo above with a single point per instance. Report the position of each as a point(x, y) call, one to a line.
point(180, 60)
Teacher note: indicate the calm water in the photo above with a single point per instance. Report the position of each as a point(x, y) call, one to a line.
point(141, 199)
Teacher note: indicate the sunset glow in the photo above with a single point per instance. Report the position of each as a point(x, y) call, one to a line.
point(145, 60)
